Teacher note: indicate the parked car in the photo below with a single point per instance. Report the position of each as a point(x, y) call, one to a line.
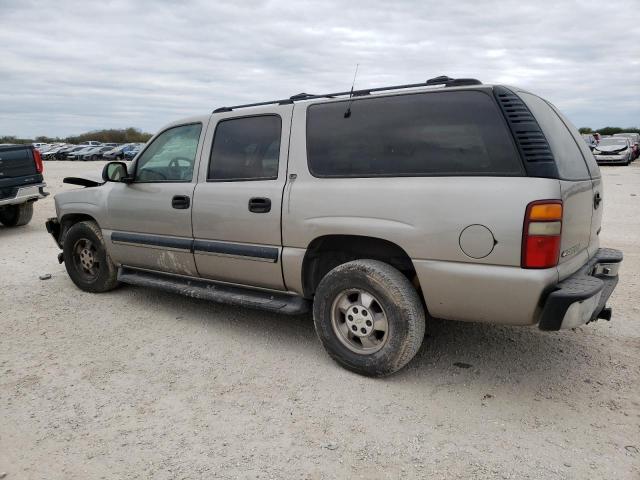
point(614, 150)
point(117, 153)
point(91, 142)
point(62, 153)
point(94, 153)
point(470, 202)
point(130, 154)
point(81, 152)
point(21, 183)
point(43, 147)
point(635, 142)
point(51, 153)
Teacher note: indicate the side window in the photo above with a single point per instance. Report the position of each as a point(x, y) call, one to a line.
point(437, 133)
point(592, 165)
point(171, 156)
point(569, 160)
point(246, 148)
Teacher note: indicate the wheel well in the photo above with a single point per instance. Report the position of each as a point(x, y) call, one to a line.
point(69, 220)
point(325, 253)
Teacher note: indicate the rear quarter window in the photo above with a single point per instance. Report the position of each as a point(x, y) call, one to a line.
point(425, 134)
point(592, 165)
point(565, 148)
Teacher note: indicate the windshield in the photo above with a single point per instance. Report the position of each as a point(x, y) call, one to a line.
point(608, 142)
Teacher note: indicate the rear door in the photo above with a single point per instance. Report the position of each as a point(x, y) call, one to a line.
point(238, 199)
point(576, 185)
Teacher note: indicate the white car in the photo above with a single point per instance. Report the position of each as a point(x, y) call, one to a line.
point(614, 150)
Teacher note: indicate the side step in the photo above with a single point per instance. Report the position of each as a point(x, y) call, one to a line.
point(221, 293)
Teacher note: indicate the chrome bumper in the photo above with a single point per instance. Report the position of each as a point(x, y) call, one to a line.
point(26, 194)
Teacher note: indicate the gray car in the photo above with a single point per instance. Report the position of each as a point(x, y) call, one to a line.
point(614, 150)
point(377, 209)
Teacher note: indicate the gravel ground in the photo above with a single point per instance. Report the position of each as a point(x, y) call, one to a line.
point(137, 383)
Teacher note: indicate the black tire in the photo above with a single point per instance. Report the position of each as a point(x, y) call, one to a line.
point(83, 243)
point(396, 298)
point(16, 215)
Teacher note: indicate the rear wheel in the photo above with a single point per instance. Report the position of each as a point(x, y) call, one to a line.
point(86, 259)
point(369, 317)
point(16, 215)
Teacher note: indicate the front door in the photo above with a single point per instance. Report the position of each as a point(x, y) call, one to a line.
point(238, 200)
point(150, 219)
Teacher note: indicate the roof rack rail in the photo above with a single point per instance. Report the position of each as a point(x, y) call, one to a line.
point(441, 80)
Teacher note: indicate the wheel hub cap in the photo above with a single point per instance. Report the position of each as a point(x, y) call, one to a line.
point(86, 258)
point(359, 321)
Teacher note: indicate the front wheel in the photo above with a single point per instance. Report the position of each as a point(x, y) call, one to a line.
point(16, 215)
point(86, 259)
point(369, 317)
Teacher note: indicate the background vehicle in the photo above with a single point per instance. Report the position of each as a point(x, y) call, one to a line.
point(51, 153)
point(635, 142)
point(131, 153)
point(21, 183)
point(614, 150)
point(117, 153)
point(81, 152)
point(470, 202)
point(94, 153)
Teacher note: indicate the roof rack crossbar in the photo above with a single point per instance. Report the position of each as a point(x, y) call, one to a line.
point(441, 80)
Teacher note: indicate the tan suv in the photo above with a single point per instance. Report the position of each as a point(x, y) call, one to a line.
point(378, 208)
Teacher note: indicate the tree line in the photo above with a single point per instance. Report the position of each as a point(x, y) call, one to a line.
point(610, 130)
point(112, 135)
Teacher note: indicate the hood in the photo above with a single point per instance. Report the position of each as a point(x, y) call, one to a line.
point(611, 148)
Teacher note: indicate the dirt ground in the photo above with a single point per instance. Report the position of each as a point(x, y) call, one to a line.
point(137, 383)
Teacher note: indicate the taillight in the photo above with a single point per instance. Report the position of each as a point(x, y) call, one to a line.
point(541, 234)
point(38, 159)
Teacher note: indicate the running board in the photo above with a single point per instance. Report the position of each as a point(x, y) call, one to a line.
point(217, 292)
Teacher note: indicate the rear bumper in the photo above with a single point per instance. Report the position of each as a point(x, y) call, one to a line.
point(25, 194)
point(582, 297)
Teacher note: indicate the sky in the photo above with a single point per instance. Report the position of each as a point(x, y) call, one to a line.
point(68, 67)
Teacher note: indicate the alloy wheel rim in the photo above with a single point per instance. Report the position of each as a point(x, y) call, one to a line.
point(85, 259)
point(359, 321)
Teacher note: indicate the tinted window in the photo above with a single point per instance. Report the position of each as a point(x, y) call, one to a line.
point(592, 165)
point(566, 151)
point(439, 133)
point(171, 155)
point(246, 149)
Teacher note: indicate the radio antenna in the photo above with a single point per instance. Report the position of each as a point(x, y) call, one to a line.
point(347, 113)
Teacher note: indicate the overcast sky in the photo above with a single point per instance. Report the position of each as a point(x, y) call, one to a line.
point(72, 66)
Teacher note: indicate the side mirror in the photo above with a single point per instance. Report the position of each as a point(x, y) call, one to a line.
point(115, 172)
